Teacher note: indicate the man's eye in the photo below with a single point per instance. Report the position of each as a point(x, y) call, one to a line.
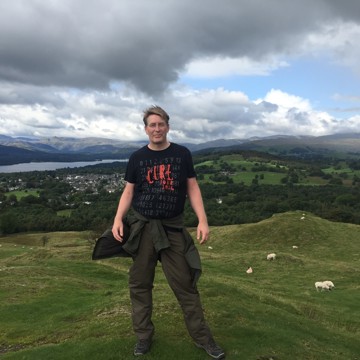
point(154, 125)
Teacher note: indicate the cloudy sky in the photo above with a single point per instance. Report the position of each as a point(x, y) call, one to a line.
point(222, 69)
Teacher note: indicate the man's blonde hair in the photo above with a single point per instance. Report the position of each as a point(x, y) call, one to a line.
point(156, 110)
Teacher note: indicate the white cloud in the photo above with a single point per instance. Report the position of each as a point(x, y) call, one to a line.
point(76, 79)
point(195, 116)
point(285, 100)
point(295, 116)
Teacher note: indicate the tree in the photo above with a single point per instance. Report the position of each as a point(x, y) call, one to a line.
point(8, 223)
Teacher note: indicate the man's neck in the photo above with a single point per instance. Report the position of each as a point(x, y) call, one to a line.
point(159, 147)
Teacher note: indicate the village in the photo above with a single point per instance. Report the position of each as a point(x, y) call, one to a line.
point(82, 182)
point(93, 182)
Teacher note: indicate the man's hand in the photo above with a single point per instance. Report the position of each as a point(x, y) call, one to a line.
point(118, 230)
point(203, 233)
point(123, 207)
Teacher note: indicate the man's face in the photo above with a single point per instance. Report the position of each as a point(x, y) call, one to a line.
point(156, 129)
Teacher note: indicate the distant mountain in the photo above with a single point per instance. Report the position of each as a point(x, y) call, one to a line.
point(15, 150)
point(347, 145)
point(10, 155)
point(216, 144)
point(66, 144)
point(13, 155)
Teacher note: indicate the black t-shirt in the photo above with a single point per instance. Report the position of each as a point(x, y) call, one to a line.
point(160, 179)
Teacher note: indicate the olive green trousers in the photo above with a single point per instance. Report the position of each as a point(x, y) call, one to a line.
point(177, 272)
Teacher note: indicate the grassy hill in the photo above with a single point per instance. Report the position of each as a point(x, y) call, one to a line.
point(58, 304)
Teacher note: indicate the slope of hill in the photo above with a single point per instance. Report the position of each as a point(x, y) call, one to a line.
point(12, 155)
point(73, 308)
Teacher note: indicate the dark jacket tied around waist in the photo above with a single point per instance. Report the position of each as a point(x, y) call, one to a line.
point(107, 246)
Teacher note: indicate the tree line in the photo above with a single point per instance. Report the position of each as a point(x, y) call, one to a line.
point(239, 204)
point(226, 203)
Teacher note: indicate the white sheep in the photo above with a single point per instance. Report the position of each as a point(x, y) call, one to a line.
point(329, 283)
point(249, 270)
point(271, 256)
point(321, 285)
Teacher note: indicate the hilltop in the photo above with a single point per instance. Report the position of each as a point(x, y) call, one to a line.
point(56, 303)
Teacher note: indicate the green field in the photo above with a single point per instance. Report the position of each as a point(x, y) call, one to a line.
point(64, 213)
point(23, 193)
point(56, 303)
point(245, 171)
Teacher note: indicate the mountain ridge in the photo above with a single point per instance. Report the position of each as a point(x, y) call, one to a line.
point(15, 150)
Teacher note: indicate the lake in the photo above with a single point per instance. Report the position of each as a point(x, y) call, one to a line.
point(44, 166)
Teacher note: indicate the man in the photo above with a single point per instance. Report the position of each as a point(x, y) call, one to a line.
point(158, 178)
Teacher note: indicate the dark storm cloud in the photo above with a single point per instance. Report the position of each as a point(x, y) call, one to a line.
point(348, 10)
point(145, 44)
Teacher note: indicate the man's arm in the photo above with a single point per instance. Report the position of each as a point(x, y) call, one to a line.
point(123, 207)
point(196, 202)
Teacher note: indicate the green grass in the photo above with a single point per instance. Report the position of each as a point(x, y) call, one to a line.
point(269, 178)
point(64, 213)
point(55, 303)
point(245, 175)
point(342, 170)
point(23, 193)
point(243, 171)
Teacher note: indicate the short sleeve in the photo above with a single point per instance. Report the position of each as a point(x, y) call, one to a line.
point(130, 173)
